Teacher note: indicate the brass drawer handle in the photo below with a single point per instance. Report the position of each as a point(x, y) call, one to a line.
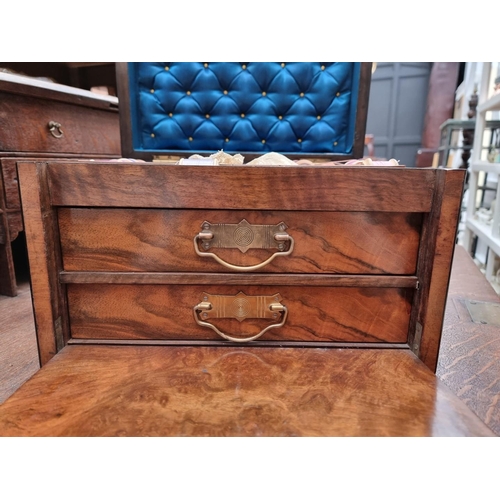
point(55, 129)
point(243, 236)
point(240, 307)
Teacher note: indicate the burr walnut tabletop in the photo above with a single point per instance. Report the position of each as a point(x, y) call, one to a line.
point(235, 391)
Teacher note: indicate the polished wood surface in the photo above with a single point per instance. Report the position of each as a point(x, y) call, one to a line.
point(20, 85)
point(389, 201)
point(49, 301)
point(469, 360)
point(363, 189)
point(166, 312)
point(158, 278)
point(207, 391)
point(10, 183)
point(90, 128)
point(7, 272)
point(162, 240)
point(84, 129)
point(434, 265)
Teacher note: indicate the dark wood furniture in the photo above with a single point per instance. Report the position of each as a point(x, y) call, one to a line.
point(237, 300)
point(138, 322)
point(40, 119)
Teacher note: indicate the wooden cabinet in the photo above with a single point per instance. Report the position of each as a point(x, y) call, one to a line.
point(39, 119)
point(238, 300)
point(147, 333)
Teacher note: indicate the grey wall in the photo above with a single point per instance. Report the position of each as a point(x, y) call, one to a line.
point(396, 110)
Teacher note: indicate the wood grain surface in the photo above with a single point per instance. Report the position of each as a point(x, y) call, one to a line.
point(49, 299)
point(85, 130)
point(69, 96)
point(469, 361)
point(162, 240)
point(10, 183)
point(207, 391)
point(7, 272)
point(315, 190)
point(369, 189)
point(157, 278)
point(437, 256)
point(166, 312)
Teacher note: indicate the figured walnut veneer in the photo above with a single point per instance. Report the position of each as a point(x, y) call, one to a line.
point(162, 241)
point(114, 270)
point(211, 391)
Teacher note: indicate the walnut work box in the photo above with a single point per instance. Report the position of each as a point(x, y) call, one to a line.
point(195, 300)
point(181, 300)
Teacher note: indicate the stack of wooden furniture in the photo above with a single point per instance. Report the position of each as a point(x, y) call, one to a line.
point(40, 119)
point(238, 300)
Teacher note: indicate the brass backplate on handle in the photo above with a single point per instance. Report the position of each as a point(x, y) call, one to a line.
point(240, 306)
point(243, 236)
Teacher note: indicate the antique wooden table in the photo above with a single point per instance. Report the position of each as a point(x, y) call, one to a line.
point(41, 119)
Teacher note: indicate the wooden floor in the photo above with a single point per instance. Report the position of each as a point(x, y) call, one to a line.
point(469, 361)
point(18, 351)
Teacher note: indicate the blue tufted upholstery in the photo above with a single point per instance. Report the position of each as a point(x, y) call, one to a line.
point(244, 107)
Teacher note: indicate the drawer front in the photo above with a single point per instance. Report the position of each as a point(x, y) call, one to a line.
point(313, 314)
point(24, 126)
point(153, 240)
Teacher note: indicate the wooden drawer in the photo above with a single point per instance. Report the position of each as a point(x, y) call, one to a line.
point(162, 241)
point(368, 266)
point(314, 313)
point(24, 126)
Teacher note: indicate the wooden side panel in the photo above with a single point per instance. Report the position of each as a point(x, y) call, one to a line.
point(362, 111)
point(213, 391)
point(44, 258)
point(166, 312)
point(434, 268)
point(162, 241)
point(366, 189)
point(122, 86)
point(7, 273)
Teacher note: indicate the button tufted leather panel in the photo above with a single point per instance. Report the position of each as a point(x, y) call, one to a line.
point(244, 107)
